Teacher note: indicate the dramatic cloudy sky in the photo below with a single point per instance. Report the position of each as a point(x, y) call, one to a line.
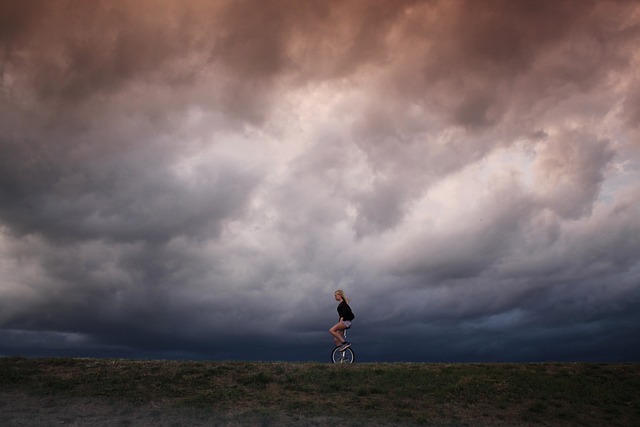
point(194, 179)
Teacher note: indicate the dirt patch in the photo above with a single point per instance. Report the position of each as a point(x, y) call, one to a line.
point(19, 409)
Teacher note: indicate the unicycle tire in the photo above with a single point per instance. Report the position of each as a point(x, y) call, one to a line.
point(345, 356)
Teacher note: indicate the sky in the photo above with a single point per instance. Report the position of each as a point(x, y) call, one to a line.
point(188, 179)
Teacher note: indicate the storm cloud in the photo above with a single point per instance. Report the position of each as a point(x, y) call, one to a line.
point(194, 179)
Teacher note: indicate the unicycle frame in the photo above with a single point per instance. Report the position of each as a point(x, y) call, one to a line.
point(345, 356)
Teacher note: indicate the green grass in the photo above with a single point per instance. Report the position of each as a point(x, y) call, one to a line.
point(419, 394)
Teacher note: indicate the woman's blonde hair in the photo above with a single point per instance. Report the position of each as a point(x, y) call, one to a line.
point(341, 293)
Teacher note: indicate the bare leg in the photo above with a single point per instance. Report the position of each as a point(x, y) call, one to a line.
point(337, 332)
point(335, 340)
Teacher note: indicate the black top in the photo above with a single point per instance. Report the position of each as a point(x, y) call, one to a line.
point(344, 311)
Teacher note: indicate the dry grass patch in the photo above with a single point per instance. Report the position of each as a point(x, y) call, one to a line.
point(380, 394)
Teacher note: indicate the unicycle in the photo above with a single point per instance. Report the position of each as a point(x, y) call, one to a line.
point(345, 356)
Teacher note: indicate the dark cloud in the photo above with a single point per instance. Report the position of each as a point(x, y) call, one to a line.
point(194, 179)
point(632, 107)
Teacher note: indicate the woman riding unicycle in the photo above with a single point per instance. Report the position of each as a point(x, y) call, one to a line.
point(343, 353)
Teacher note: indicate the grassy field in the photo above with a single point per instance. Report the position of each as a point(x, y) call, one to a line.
point(239, 393)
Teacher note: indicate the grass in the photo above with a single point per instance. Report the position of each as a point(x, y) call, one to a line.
point(381, 394)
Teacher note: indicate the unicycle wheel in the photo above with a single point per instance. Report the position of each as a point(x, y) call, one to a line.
point(345, 356)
